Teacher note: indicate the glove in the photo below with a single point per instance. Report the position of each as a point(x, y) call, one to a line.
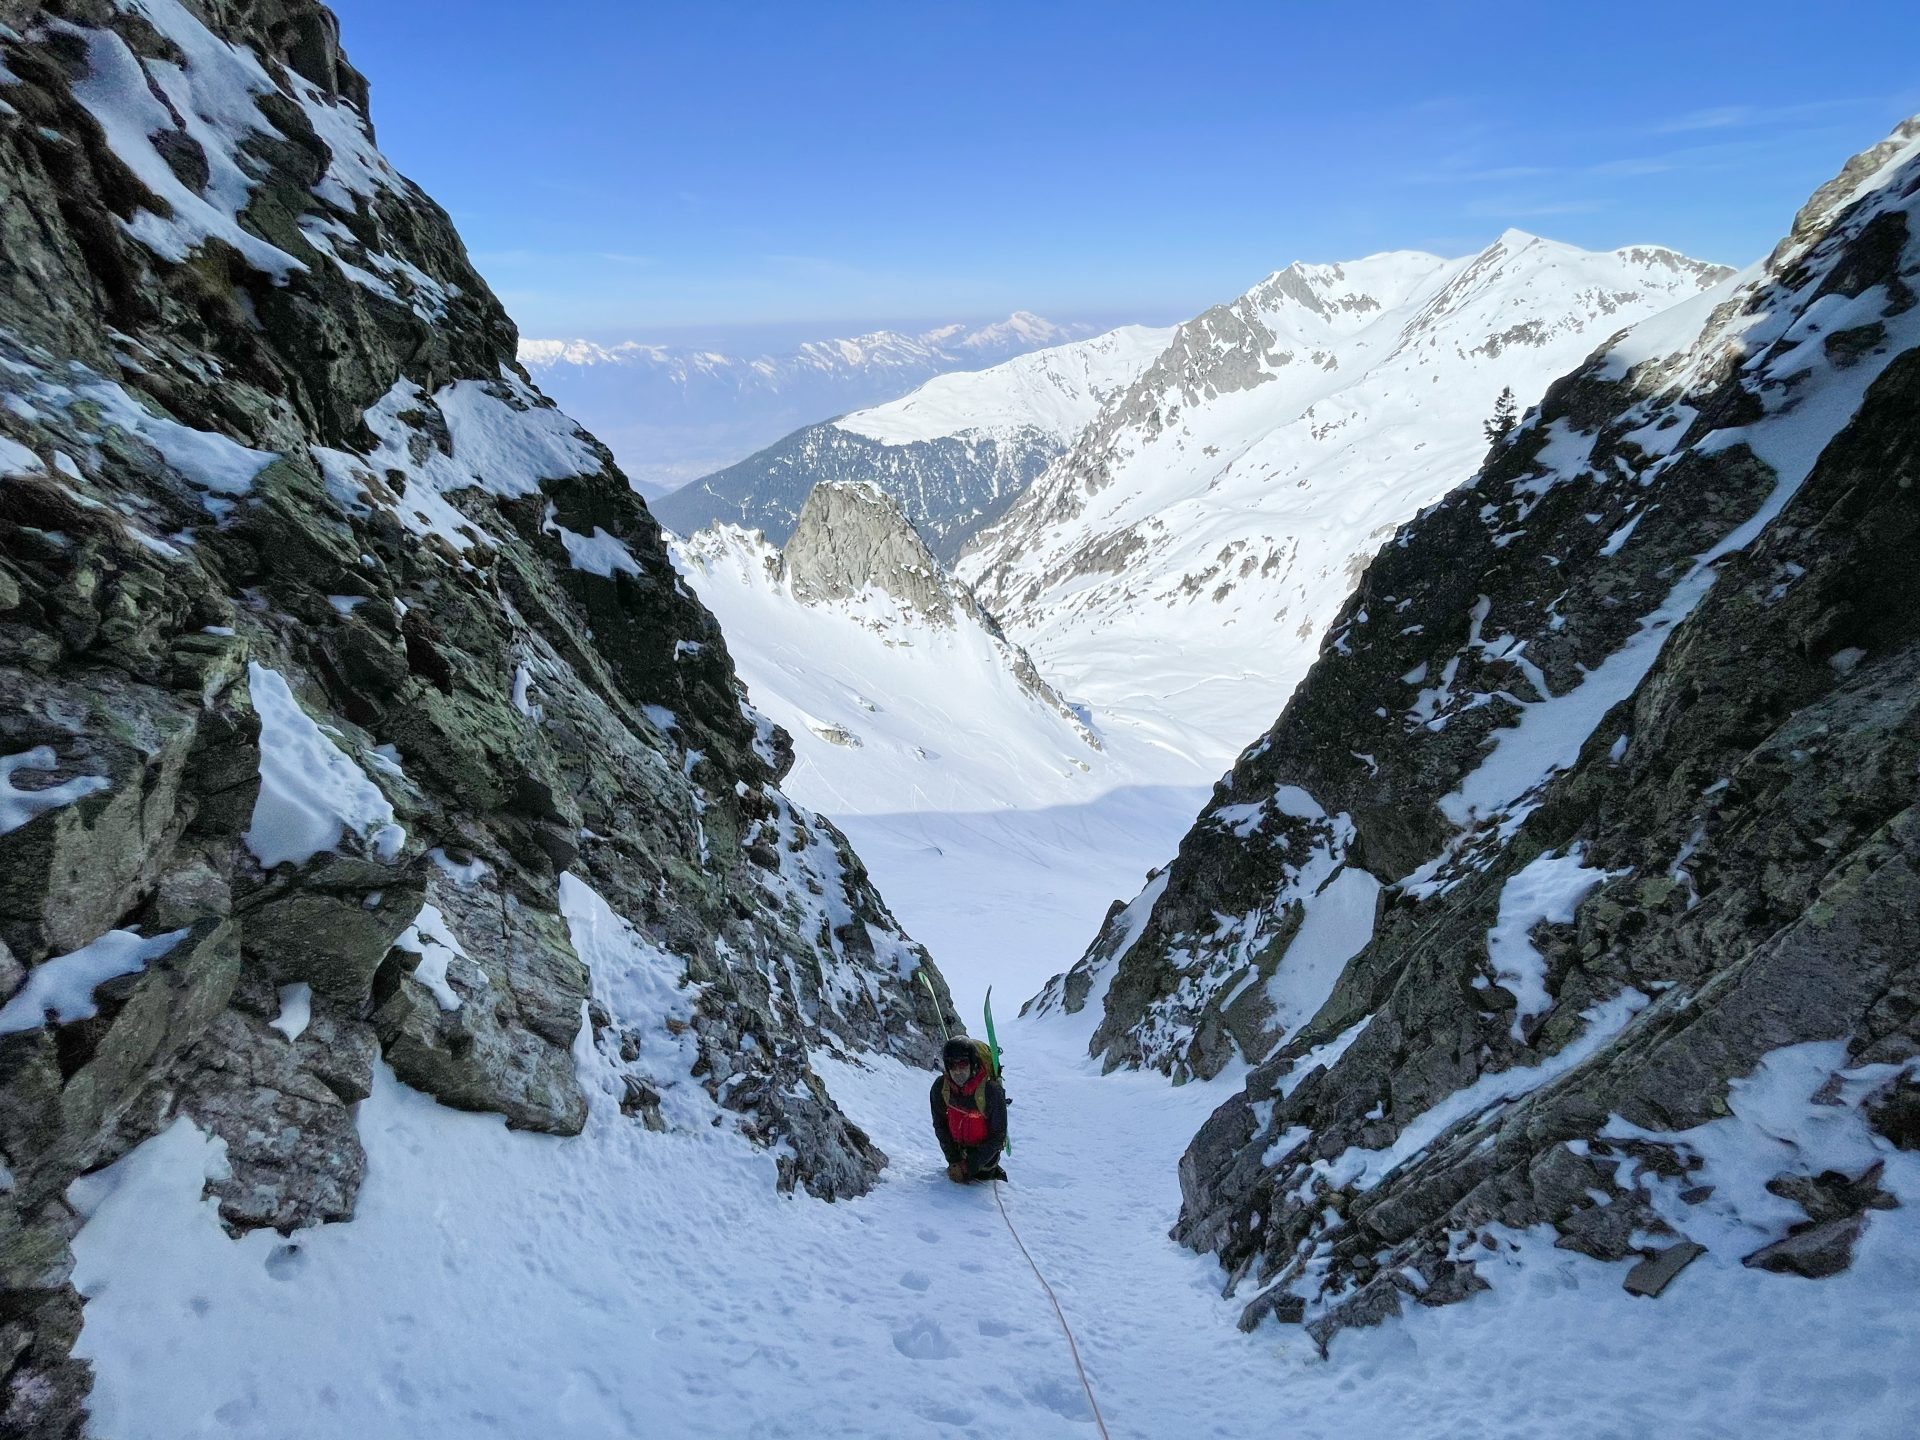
point(957, 1171)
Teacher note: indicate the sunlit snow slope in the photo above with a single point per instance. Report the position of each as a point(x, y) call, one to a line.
point(1185, 555)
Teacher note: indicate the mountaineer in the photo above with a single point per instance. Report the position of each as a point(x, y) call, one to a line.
point(969, 1111)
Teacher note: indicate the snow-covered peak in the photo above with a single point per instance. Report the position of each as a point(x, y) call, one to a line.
point(539, 354)
point(1210, 519)
point(955, 345)
point(1351, 290)
point(1056, 391)
point(1022, 327)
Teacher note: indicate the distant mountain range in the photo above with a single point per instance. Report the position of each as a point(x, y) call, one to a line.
point(673, 413)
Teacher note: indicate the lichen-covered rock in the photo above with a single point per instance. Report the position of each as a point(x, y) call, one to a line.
point(315, 615)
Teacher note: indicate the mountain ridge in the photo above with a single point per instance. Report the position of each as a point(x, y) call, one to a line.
point(1221, 507)
point(672, 413)
point(1560, 905)
point(953, 451)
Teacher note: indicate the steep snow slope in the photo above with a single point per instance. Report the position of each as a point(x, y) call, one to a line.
point(955, 451)
point(672, 413)
point(1185, 555)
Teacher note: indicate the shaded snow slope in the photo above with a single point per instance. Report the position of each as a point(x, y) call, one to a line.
point(1186, 554)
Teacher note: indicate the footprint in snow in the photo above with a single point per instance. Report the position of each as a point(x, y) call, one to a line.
point(995, 1328)
point(924, 1340)
point(286, 1261)
point(1065, 1398)
point(914, 1280)
point(928, 1234)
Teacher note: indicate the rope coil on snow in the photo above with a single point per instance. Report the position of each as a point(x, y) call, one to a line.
point(1065, 1328)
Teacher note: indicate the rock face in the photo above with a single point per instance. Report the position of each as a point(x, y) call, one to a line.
point(1587, 853)
point(347, 696)
point(853, 537)
point(954, 482)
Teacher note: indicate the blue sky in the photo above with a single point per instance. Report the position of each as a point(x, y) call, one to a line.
point(715, 171)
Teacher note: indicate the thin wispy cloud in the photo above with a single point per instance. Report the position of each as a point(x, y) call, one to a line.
point(1532, 209)
point(1746, 117)
point(1720, 118)
point(1488, 175)
point(1629, 169)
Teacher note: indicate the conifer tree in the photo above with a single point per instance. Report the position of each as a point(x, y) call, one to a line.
point(1506, 411)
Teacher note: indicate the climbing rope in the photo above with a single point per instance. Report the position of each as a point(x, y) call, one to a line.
point(1065, 1328)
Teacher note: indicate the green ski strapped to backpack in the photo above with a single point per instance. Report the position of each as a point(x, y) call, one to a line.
point(993, 1056)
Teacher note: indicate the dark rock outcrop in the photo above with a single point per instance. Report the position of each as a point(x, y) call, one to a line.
point(948, 487)
point(1628, 727)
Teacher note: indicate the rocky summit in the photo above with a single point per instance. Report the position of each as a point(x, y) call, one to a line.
point(1574, 887)
point(351, 712)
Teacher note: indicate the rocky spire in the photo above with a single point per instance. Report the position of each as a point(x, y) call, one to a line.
point(852, 535)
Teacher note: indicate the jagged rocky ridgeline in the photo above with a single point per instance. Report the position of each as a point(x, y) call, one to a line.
point(349, 705)
point(1575, 886)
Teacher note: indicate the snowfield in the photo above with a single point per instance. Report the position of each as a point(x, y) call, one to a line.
point(625, 1283)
